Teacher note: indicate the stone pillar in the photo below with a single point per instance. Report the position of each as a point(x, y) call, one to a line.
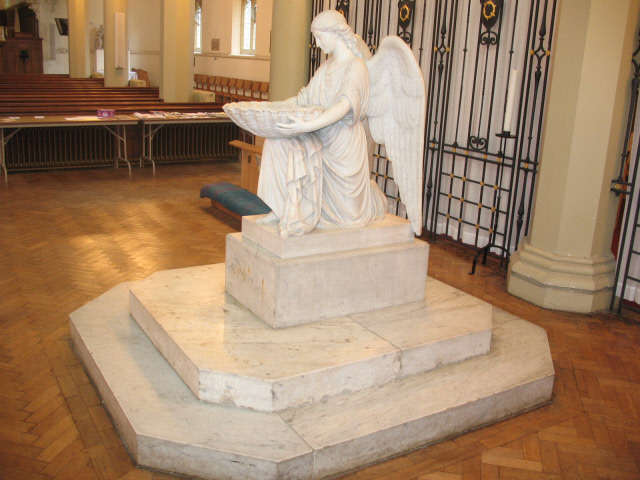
point(290, 39)
point(566, 262)
point(115, 77)
point(176, 50)
point(79, 64)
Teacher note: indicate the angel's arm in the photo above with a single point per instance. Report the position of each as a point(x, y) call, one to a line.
point(331, 115)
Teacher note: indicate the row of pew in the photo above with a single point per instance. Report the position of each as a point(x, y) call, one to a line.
point(232, 89)
point(40, 94)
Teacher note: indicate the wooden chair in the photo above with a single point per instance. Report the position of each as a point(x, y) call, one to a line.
point(211, 84)
point(264, 91)
point(142, 75)
point(243, 91)
point(217, 83)
point(230, 90)
point(248, 94)
point(255, 91)
point(223, 88)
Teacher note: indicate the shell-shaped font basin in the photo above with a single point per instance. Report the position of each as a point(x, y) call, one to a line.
point(260, 118)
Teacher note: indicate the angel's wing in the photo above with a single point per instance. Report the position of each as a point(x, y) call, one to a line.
point(397, 114)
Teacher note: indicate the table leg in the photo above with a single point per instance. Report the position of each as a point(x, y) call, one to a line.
point(121, 139)
point(148, 137)
point(124, 146)
point(3, 154)
point(144, 146)
point(3, 163)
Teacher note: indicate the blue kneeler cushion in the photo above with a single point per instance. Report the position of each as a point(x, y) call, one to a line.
point(234, 199)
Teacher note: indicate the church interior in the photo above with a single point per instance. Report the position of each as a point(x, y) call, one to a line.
point(70, 233)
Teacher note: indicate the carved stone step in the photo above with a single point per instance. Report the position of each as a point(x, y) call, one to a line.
point(226, 355)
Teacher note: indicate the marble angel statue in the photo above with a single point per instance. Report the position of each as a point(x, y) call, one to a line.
point(317, 174)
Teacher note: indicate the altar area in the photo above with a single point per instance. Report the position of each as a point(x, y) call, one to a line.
point(201, 384)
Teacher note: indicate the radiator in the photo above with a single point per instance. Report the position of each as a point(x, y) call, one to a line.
point(188, 142)
point(72, 147)
point(59, 147)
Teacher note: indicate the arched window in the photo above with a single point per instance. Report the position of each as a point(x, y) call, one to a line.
point(248, 27)
point(197, 41)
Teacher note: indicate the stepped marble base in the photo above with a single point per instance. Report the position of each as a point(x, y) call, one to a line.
point(226, 355)
point(166, 427)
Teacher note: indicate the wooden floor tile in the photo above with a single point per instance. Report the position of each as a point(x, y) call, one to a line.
point(69, 236)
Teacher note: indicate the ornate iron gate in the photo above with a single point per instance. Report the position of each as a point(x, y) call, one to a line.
point(481, 156)
point(627, 279)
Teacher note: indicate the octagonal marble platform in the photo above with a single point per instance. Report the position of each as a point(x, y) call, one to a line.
point(273, 367)
point(166, 427)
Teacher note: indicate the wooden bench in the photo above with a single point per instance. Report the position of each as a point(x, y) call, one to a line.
point(250, 157)
point(47, 78)
point(59, 95)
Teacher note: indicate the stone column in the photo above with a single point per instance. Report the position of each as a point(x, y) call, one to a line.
point(79, 64)
point(115, 77)
point(290, 39)
point(176, 50)
point(566, 262)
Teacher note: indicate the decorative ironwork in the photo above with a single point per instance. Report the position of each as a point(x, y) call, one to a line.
point(406, 16)
point(625, 187)
point(534, 84)
point(477, 185)
point(491, 10)
point(343, 7)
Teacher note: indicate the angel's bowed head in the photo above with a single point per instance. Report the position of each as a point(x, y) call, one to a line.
point(315, 163)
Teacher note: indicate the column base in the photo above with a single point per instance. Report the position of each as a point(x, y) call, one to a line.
point(581, 285)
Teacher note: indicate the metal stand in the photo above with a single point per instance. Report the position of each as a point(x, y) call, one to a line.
point(120, 134)
point(3, 161)
point(484, 251)
point(147, 144)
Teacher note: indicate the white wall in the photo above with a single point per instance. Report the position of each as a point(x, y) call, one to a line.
point(144, 37)
point(218, 20)
point(55, 47)
point(144, 34)
point(96, 14)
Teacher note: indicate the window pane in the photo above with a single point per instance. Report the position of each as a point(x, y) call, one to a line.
point(246, 15)
point(248, 37)
point(198, 29)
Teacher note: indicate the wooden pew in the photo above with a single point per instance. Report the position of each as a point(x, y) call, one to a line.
point(60, 95)
point(70, 109)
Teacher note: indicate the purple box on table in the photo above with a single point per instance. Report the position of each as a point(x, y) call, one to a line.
point(106, 113)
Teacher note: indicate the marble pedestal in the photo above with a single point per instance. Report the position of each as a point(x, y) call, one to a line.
point(166, 427)
point(198, 385)
point(325, 274)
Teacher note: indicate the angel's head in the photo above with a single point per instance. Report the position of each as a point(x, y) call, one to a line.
point(330, 26)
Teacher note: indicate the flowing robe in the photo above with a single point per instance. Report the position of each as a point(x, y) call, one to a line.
point(322, 179)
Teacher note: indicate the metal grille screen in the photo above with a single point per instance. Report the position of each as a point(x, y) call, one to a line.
point(478, 184)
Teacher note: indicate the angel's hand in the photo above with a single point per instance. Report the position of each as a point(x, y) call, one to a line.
point(296, 127)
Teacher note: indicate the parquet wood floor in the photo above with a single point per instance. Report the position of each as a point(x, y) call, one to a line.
point(68, 236)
